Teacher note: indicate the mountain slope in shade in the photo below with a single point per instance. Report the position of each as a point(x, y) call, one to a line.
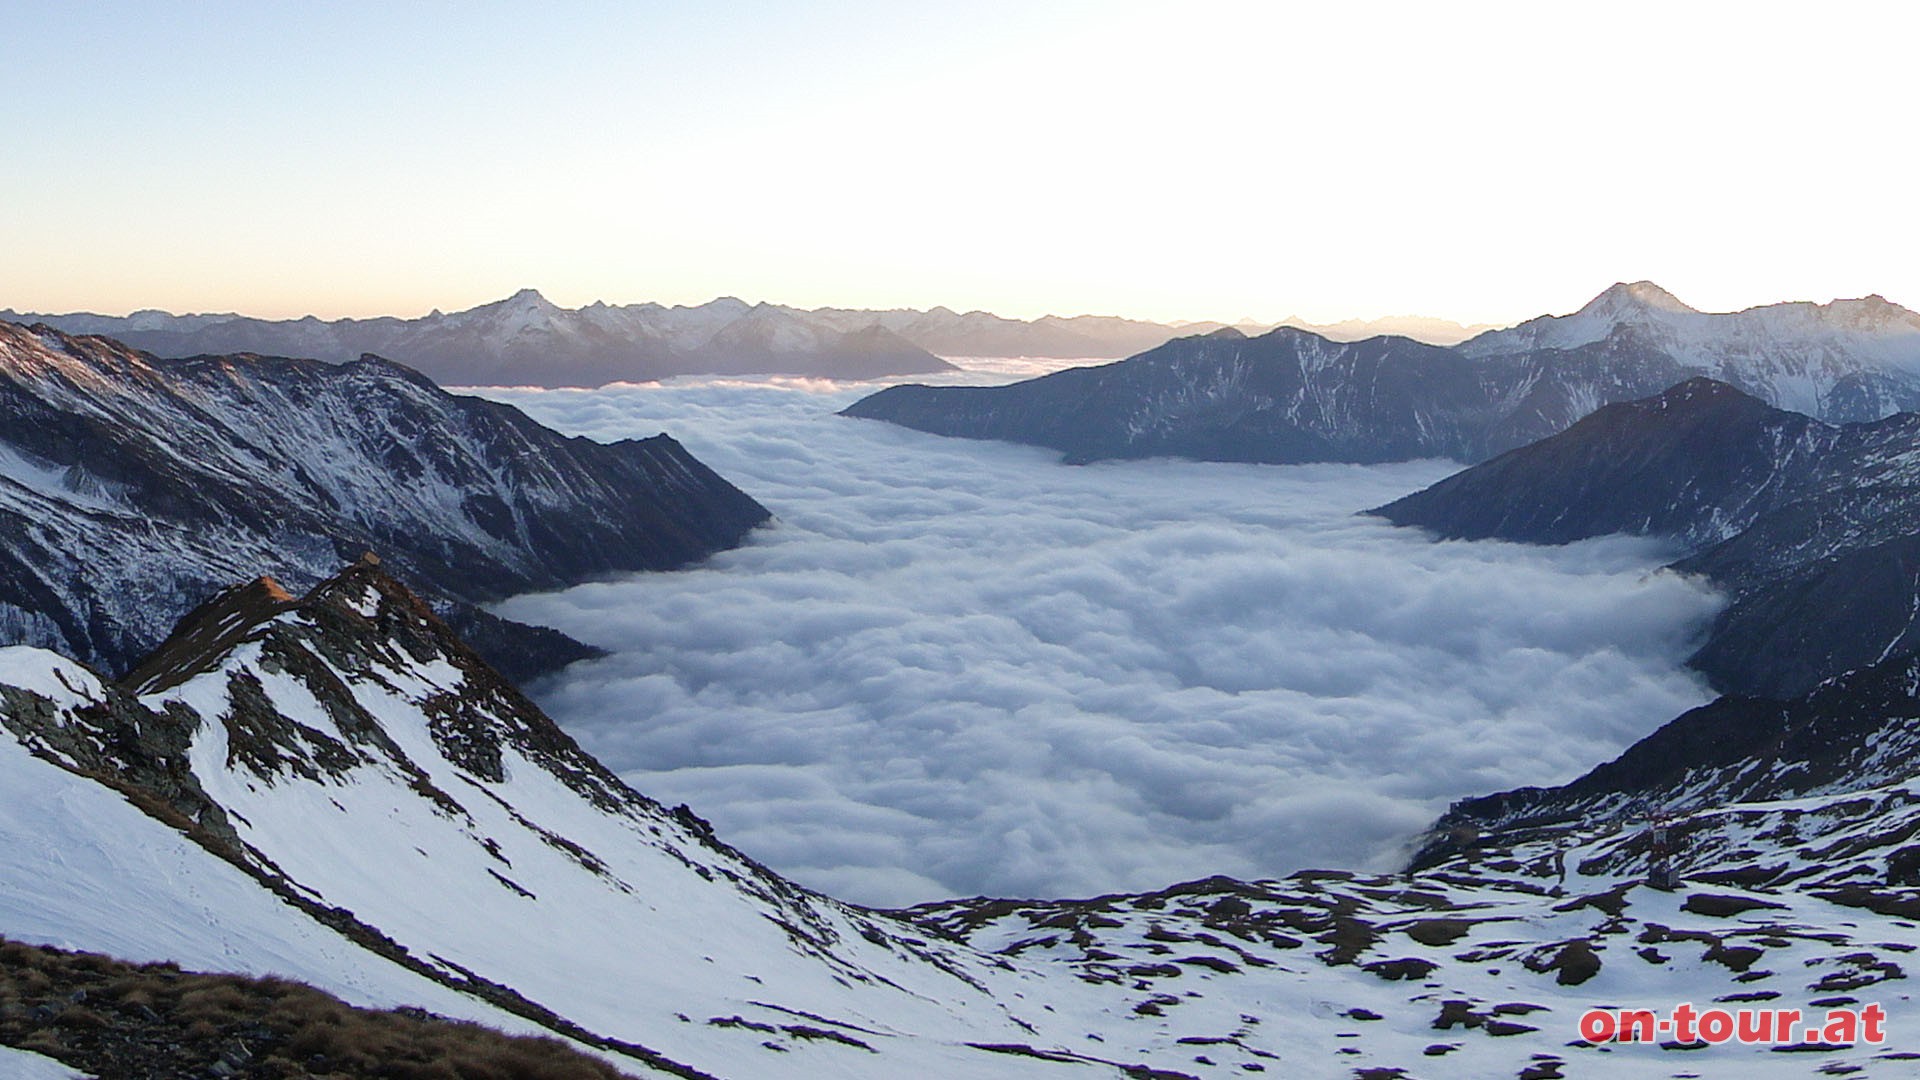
point(131, 486)
point(1808, 526)
point(1286, 396)
point(1298, 397)
point(335, 788)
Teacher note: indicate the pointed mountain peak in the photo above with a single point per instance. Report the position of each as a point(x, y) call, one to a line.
point(207, 633)
point(529, 297)
point(1623, 297)
point(1701, 390)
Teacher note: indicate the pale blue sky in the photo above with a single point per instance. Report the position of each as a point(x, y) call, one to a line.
point(1200, 160)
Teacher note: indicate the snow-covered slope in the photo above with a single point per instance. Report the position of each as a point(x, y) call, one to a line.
point(83, 866)
point(130, 487)
point(343, 759)
point(1806, 357)
point(334, 788)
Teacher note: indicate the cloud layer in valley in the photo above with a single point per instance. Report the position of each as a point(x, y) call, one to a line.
point(955, 668)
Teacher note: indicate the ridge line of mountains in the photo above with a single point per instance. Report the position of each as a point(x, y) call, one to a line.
point(1290, 396)
point(526, 340)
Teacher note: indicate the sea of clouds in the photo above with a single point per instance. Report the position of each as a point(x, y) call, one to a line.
point(954, 667)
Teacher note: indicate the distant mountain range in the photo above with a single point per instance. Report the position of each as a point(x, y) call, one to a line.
point(1294, 396)
point(526, 340)
point(130, 487)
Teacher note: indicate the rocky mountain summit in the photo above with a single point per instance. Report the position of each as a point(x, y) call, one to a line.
point(1293, 396)
point(131, 486)
point(1808, 526)
point(332, 788)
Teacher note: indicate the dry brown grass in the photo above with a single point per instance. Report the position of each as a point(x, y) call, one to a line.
point(154, 1020)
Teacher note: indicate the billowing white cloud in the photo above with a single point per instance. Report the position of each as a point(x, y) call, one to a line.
point(957, 667)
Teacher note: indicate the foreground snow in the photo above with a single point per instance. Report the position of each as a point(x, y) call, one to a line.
point(358, 760)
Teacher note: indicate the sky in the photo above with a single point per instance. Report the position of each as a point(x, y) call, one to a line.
point(957, 668)
point(1484, 162)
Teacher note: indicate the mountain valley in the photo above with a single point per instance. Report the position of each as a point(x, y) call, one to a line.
point(312, 776)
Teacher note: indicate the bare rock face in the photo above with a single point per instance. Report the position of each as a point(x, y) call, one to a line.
point(132, 486)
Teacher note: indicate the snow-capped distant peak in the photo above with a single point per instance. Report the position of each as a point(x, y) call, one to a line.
point(1623, 297)
point(529, 297)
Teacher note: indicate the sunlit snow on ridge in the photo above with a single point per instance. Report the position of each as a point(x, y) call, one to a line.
point(955, 667)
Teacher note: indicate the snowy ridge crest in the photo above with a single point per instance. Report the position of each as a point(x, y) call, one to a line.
point(413, 830)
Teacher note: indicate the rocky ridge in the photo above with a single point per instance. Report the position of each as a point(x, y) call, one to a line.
point(132, 486)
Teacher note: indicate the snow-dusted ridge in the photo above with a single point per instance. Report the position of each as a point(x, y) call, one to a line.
point(335, 788)
point(131, 487)
point(526, 339)
point(1293, 396)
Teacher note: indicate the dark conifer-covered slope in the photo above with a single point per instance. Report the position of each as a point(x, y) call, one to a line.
point(132, 486)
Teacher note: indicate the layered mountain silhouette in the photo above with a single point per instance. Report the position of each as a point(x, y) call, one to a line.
point(527, 340)
point(130, 486)
point(1294, 396)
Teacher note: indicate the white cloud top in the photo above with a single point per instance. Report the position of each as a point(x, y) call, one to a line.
point(960, 667)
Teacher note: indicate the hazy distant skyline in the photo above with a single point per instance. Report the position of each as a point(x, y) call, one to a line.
point(1479, 162)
